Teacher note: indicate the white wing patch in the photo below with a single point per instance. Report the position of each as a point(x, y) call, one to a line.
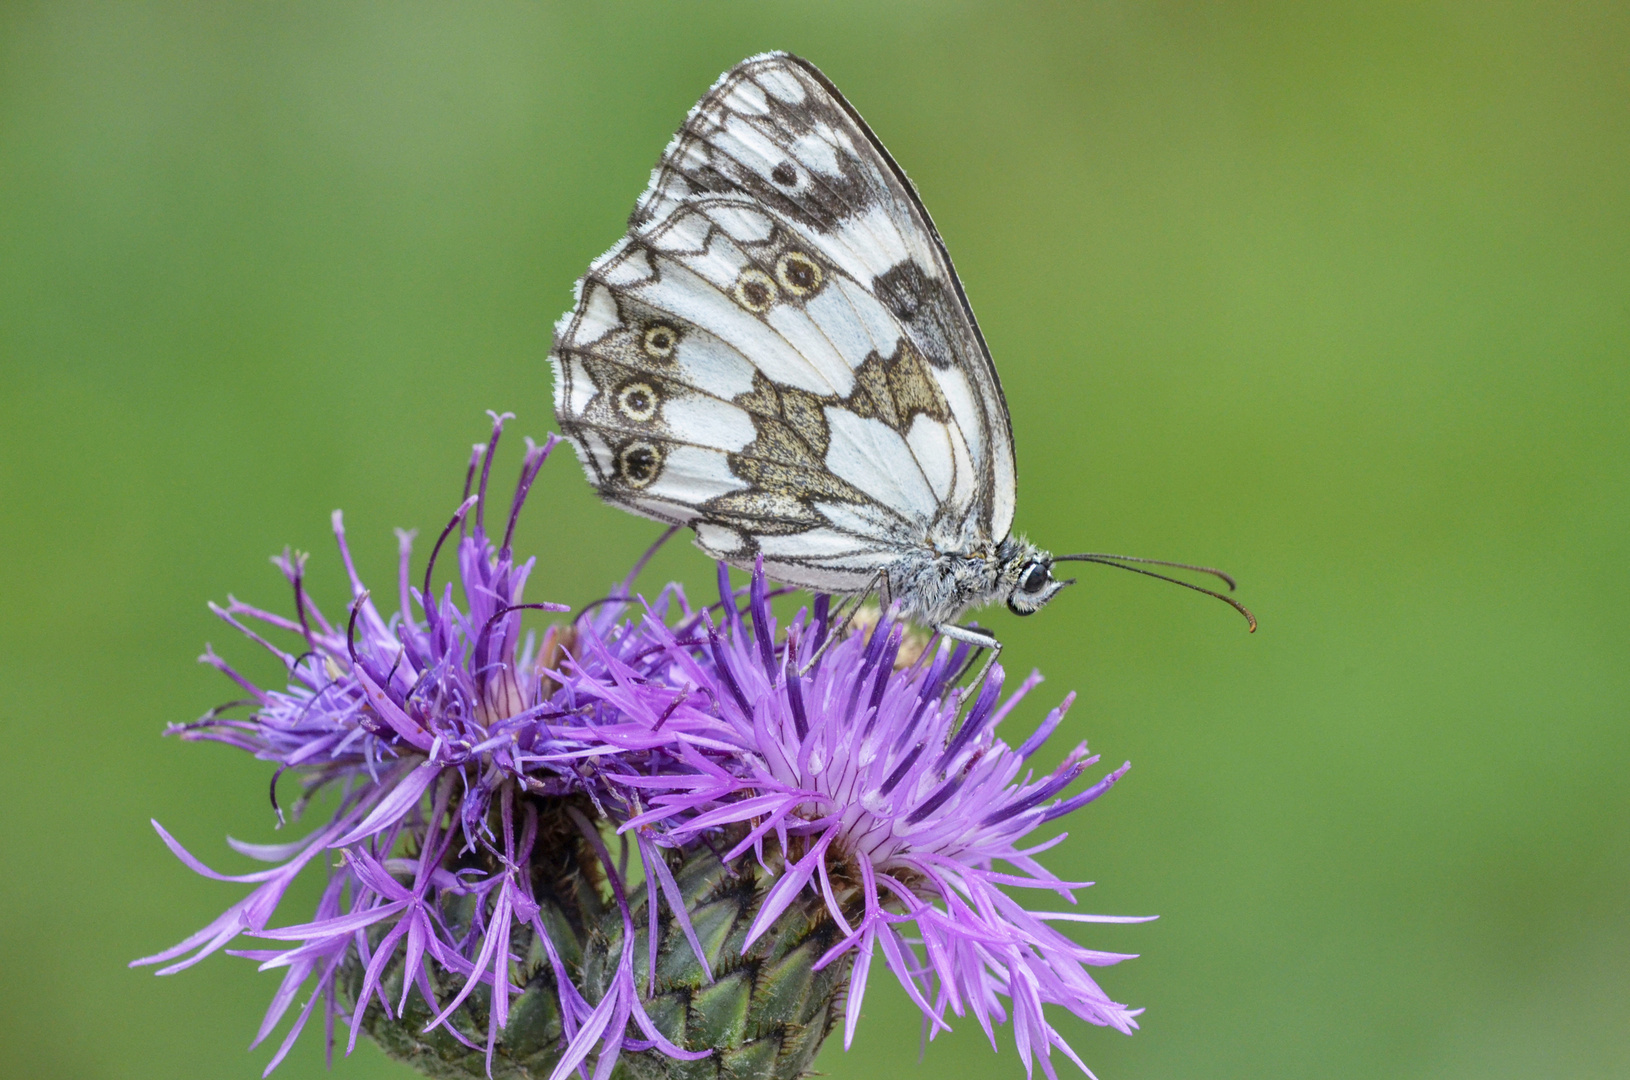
point(719, 540)
point(853, 322)
point(629, 269)
point(707, 421)
point(782, 83)
point(747, 97)
point(816, 151)
point(705, 362)
point(685, 233)
point(930, 445)
point(871, 455)
point(692, 475)
point(795, 324)
point(870, 240)
point(816, 544)
point(595, 454)
point(599, 316)
point(582, 387)
point(743, 223)
point(718, 261)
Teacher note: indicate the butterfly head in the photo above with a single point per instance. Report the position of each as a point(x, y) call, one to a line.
point(1027, 571)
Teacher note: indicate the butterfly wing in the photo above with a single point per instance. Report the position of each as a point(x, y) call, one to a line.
point(779, 353)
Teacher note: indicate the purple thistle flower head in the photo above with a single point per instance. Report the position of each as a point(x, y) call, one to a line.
point(437, 727)
point(464, 754)
point(892, 802)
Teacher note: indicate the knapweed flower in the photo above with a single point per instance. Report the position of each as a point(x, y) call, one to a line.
point(889, 805)
point(799, 800)
point(436, 731)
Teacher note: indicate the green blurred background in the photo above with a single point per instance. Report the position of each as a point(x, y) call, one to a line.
point(1332, 295)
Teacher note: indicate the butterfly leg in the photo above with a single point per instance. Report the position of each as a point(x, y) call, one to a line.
point(837, 631)
point(972, 635)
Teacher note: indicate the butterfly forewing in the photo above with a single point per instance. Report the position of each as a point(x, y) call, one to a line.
point(779, 353)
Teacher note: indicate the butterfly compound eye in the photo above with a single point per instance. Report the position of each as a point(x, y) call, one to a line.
point(1035, 579)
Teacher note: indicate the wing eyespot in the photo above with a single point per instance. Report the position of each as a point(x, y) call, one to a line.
point(755, 290)
point(638, 401)
point(785, 174)
point(659, 341)
point(638, 464)
point(798, 273)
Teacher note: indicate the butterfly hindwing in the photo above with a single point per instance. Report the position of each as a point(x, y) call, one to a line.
point(778, 354)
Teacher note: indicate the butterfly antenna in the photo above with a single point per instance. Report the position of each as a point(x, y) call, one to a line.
point(1120, 561)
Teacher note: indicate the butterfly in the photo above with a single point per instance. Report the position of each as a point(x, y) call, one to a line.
point(780, 356)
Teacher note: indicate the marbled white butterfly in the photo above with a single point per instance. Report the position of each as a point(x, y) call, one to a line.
point(780, 356)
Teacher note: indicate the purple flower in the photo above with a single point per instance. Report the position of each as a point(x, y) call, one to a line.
point(432, 724)
point(887, 800)
point(465, 754)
